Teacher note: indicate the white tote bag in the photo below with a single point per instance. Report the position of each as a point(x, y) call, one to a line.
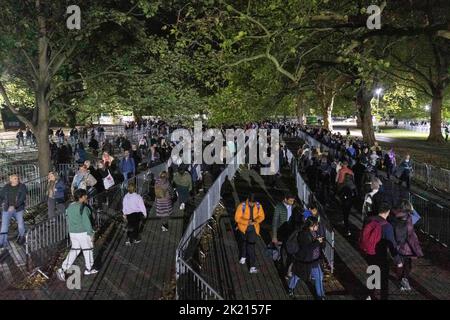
point(108, 182)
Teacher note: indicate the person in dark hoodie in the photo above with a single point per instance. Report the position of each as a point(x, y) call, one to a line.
point(307, 260)
point(12, 198)
point(378, 255)
point(408, 245)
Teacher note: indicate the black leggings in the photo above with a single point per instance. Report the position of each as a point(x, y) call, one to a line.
point(133, 225)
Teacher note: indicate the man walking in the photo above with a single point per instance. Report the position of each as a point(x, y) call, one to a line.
point(249, 215)
point(81, 234)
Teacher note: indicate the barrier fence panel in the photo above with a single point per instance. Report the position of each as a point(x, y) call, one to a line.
point(189, 284)
point(25, 172)
point(307, 196)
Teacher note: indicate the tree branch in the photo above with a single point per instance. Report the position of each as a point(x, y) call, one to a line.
point(14, 110)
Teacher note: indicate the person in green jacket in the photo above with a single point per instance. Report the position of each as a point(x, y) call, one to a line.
point(183, 183)
point(81, 234)
point(283, 222)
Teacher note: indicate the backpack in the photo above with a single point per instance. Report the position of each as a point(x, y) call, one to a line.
point(370, 236)
point(349, 181)
point(244, 204)
point(292, 246)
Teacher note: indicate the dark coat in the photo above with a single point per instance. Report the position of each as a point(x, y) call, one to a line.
point(20, 199)
point(308, 256)
point(405, 236)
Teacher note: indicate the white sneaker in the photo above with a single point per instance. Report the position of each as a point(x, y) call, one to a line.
point(89, 272)
point(368, 298)
point(60, 274)
point(182, 206)
point(242, 261)
point(253, 270)
point(164, 229)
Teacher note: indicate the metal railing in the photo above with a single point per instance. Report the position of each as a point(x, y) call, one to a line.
point(307, 197)
point(185, 290)
point(26, 172)
point(187, 280)
point(435, 219)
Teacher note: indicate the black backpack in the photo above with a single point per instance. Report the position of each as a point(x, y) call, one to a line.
point(292, 246)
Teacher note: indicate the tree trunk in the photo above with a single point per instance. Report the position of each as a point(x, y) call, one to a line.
point(363, 99)
point(42, 133)
point(358, 121)
point(436, 117)
point(300, 111)
point(327, 110)
point(2, 127)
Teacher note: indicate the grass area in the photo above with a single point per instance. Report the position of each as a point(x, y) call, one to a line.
point(403, 134)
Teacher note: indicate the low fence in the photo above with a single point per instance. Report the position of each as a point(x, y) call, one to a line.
point(25, 172)
point(307, 197)
point(43, 238)
point(190, 285)
point(435, 219)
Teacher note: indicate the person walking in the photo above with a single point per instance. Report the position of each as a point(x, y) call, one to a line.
point(408, 245)
point(134, 211)
point(405, 171)
point(81, 235)
point(19, 137)
point(248, 216)
point(12, 198)
point(307, 260)
point(390, 162)
point(372, 200)
point(163, 199)
point(127, 166)
point(183, 184)
point(377, 238)
point(56, 191)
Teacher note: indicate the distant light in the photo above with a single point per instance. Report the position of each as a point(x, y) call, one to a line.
point(379, 91)
point(427, 107)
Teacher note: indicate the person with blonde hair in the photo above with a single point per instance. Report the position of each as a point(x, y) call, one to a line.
point(163, 199)
point(134, 211)
point(56, 195)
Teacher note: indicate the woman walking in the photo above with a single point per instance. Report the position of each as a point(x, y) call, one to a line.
point(134, 211)
point(183, 183)
point(308, 258)
point(163, 199)
point(408, 245)
point(56, 189)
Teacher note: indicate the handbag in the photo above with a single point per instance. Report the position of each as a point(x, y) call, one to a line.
point(108, 182)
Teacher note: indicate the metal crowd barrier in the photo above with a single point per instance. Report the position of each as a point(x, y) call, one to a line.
point(24, 171)
point(307, 197)
point(190, 285)
point(435, 219)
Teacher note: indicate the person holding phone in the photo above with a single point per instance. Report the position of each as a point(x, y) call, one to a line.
point(308, 259)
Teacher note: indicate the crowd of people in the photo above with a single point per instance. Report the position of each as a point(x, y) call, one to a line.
point(350, 177)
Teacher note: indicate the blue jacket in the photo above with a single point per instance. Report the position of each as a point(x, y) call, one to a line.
point(60, 189)
point(127, 165)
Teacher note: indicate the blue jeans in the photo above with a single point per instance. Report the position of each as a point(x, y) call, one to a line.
point(6, 218)
point(316, 276)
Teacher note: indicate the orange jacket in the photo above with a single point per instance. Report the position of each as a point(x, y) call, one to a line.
point(243, 218)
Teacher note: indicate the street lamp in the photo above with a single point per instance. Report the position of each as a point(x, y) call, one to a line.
point(427, 107)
